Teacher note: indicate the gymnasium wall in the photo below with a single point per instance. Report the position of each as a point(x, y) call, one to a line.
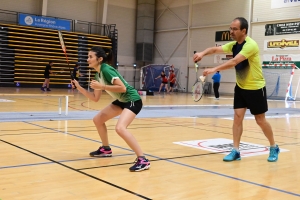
point(27, 6)
point(184, 27)
point(204, 19)
point(171, 35)
point(262, 15)
point(123, 14)
point(84, 10)
point(180, 28)
point(262, 12)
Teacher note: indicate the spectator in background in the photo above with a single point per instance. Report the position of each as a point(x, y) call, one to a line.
point(76, 72)
point(172, 79)
point(48, 71)
point(216, 83)
point(172, 68)
point(164, 81)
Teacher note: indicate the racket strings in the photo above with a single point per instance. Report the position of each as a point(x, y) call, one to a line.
point(197, 91)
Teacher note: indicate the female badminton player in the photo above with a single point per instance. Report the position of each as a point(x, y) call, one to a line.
point(127, 105)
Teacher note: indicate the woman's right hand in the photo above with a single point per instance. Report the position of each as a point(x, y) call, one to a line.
point(74, 82)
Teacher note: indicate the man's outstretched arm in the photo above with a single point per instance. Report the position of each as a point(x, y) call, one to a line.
point(212, 50)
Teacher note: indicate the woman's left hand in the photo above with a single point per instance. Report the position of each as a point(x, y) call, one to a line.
point(96, 85)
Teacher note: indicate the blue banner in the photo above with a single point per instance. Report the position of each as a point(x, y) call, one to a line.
point(44, 22)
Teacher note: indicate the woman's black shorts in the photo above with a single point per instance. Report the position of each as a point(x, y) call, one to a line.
point(134, 106)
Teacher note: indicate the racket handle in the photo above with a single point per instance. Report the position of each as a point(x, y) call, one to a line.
point(196, 67)
point(72, 78)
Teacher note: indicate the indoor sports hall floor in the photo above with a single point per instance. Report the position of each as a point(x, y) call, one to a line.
point(45, 156)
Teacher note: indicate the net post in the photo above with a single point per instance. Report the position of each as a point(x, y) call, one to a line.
point(288, 91)
point(141, 78)
point(89, 80)
point(67, 106)
point(59, 105)
point(297, 85)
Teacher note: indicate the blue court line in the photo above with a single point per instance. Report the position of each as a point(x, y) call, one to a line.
point(63, 132)
point(182, 164)
point(61, 161)
point(26, 165)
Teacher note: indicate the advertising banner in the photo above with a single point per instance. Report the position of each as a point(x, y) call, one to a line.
point(283, 61)
point(44, 22)
point(223, 146)
point(222, 36)
point(282, 28)
point(284, 3)
point(282, 44)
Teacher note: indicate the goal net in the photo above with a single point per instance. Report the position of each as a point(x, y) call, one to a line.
point(150, 72)
point(282, 81)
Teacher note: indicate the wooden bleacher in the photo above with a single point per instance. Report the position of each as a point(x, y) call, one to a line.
point(25, 51)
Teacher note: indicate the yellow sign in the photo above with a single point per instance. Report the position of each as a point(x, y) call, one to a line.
point(283, 43)
point(222, 36)
point(225, 36)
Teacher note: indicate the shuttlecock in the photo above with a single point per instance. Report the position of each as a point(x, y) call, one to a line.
point(202, 78)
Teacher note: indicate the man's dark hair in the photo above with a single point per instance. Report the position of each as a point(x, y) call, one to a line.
point(243, 22)
point(50, 62)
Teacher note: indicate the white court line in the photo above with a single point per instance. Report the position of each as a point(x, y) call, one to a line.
point(6, 100)
point(186, 117)
point(221, 97)
point(282, 100)
point(268, 117)
point(195, 105)
point(267, 99)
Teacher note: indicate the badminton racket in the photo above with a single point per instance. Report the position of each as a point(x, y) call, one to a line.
point(198, 87)
point(63, 46)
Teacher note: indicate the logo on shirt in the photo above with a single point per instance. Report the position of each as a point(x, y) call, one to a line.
point(283, 43)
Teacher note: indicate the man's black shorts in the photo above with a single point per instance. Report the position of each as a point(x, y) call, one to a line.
point(255, 100)
point(134, 106)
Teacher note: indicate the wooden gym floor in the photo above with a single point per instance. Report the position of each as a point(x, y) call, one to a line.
point(49, 159)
